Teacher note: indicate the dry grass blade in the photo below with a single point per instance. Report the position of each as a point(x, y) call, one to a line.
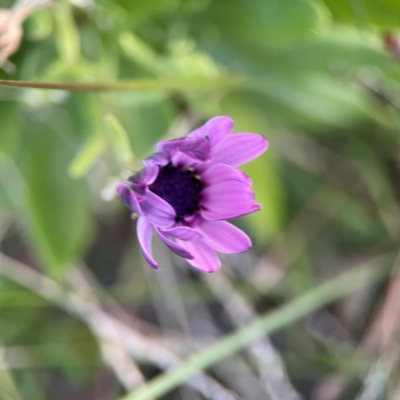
point(272, 371)
point(106, 327)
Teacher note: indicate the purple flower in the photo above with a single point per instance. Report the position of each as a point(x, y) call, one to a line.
point(189, 188)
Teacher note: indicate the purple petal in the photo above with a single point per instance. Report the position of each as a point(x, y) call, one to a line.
point(157, 159)
point(256, 207)
point(184, 233)
point(158, 211)
point(183, 160)
point(129, 198)
point(216, 130)
point(204, 257)
point(146, 176)
point(225, 237)
point(197, 147)
point(173, 246)
point(228, 199)
point(145, 235)
point(170, 145)
point(240, 148)
point(217, 173)
point(192, 220)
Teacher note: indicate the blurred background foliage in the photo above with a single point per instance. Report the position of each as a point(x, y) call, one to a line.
point(319, 78)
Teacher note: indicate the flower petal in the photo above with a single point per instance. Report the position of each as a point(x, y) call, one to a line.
point(145, 235)
point(240, 148)
point(197, 147)
point(216, 130)
point(217, 173)
point(225, 237)
point(184, 233)
point(184, 160)
point(156, 158)
point(228, 199)
point(173, 246)
point(158, 211)
point(204, 257)
point(146, 176)
point(129, 198)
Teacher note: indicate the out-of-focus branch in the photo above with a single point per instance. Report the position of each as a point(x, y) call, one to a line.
point(106, 327)
point(274, 379)
point(383, 336)
point(114, 353)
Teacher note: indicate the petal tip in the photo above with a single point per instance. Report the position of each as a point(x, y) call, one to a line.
point(256, 207)
point(266, 143)
point(121, 188)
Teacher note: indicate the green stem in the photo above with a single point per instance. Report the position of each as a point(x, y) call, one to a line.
point(292, 311)
point(173, 84)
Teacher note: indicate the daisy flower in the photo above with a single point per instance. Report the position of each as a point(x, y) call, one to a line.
point(189, 188)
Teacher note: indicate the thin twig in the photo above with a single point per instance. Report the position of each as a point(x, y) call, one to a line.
point(157, 85)
point(141, 348)
point(274, 379)
point(114, 353)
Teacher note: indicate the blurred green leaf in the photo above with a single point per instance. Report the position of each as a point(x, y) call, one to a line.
point(140, 112)
point(39, 25)
point(139, 51)
point(383, 13)
point(87, 156)
point(8, 389)
point(140, 10)
point(67, 35)
point(57, 210)
point(273, 24)
point(120, 141)
point(10, 129)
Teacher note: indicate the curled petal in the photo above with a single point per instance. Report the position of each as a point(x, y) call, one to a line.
point(158, 211)
point(140, 181)
point(217, 173)
point(157, 159)
point(204, 257)
point(199, 148)
point(196, 147)
point(184, 160)
point(129, 198)
point(256, 207)
point(225, 237)
point(145, 235)
point(228, 199)
point(146, 176)
point(240, 148)
point(173, 246)
point(216, 130)
point(184, 233)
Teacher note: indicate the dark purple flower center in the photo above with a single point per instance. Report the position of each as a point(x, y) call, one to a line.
point(179, 187)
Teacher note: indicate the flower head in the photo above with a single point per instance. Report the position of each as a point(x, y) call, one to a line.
point(187, 190)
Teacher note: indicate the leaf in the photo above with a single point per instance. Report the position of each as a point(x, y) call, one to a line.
point(120, 141)
point(56, 209)
point(146, 119)
point(39, 25)
point(67, 36)
point(10, 129)
point(90, 152)
point(384, 13)
point(272, 24)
